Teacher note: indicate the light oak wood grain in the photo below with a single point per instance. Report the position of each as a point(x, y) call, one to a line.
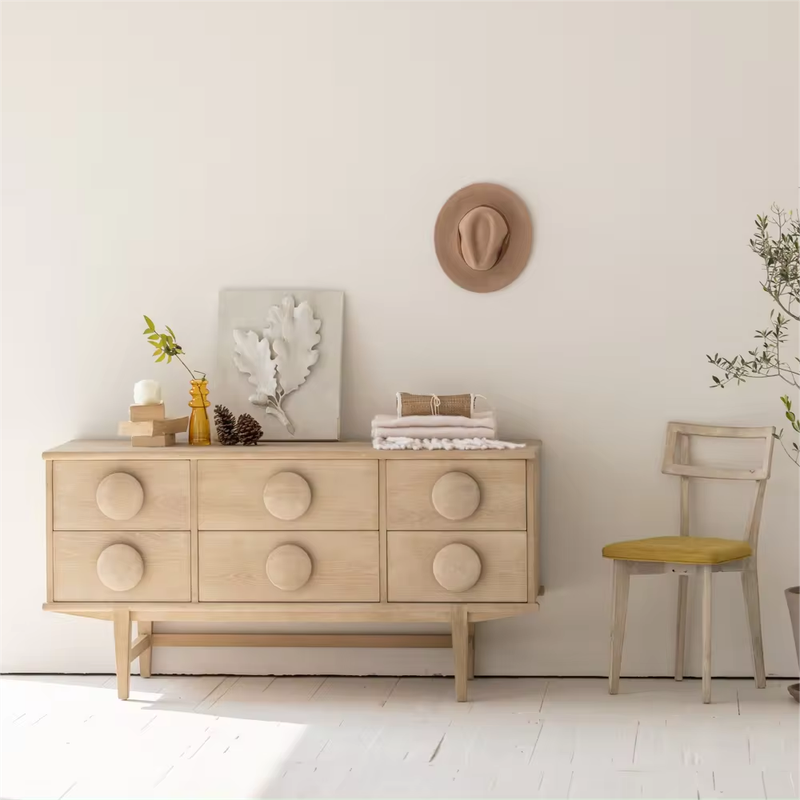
point(165, 488)
point(456, 496)
point(673, 466)
point(344, 495)
point(120, 567)
point(706, 631)
point(103, 449)
point(532, 478)
point(457, 567)
point(344, 566)
point(193, 531)
point(154, 427)
point(459, 628)
point(503, 557)
point(146, 656)
point(502, 495)
point(288, 567)
point(165, 575)
point(49, 529)
point(226, 534)
point(287, 496)
point(159, 440)
point(140, 412)
point(119, 496)
point(753, 608)
point(122, 650)
point(291, 612)
point(382, 528)
point(139, 645)
point(619, 612)
point(421, 640)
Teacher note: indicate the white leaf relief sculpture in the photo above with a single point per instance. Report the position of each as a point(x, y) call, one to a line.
point(279, 363)
point(293, 333)
point(253, 356)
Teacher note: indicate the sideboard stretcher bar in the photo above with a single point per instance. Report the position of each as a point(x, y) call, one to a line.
point(451, 538)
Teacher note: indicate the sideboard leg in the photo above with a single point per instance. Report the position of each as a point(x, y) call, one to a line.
point(146, 657)
point(122, 650)
point(460, 634)
point(471, 666)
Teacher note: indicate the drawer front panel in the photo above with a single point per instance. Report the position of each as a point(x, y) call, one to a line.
point(87, 563)
point(302, 495)
point(456, 495)
point(305, 566)
point(438, 566)
point(120, 495)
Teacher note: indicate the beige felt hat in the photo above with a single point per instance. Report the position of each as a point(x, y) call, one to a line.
point(483, 237)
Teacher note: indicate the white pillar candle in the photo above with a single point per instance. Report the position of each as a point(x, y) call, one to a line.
point(147, 393)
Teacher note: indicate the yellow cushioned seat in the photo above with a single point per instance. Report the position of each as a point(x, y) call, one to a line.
point(679, 550)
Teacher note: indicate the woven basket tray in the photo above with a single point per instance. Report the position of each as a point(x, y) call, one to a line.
point(456, 405)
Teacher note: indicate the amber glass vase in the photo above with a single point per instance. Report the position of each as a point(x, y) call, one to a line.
point(199, 428)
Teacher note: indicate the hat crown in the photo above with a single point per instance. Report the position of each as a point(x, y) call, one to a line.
point(482, 232)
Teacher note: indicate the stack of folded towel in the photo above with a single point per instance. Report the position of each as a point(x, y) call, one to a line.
point(481, 425)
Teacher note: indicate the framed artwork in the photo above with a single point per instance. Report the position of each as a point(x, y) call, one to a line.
point(280, 359)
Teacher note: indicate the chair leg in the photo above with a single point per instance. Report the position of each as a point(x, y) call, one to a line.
point(619, 610)
point(707, 576)
point(680, 631)
point(122, 650)
point(753, 606)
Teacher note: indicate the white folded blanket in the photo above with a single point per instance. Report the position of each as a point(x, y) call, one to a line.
point(439, 432)
point(400, 443)
point(480, 419)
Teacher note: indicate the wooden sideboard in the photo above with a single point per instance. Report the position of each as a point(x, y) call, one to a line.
point(334, 533)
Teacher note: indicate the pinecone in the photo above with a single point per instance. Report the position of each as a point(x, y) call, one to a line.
point(248, 430)
point(226, 425)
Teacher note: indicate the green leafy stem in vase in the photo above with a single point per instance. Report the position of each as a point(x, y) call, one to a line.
point(777, 243)
point(166, 347)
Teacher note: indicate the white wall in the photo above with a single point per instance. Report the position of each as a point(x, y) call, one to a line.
point(154, 153)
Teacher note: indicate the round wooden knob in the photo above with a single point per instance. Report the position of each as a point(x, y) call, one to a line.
point(287, 495)
point(119, 496)
point(288, 567)
point(456, 495)
point(457, 567)
point(120, 567)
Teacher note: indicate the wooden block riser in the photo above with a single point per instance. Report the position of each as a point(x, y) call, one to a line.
point(163, 440)
point(142, 413)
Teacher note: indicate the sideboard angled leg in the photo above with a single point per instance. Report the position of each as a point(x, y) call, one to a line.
point(146, 656)
point(460, 635)
point(122, 650)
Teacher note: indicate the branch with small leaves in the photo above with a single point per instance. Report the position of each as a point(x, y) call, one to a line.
point(777, 242)
point(166, 347)
point(794, 452)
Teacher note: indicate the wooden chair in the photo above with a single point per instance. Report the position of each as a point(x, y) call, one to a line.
point(688, 555)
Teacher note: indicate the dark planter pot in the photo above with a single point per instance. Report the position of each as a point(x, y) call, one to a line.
point(793, 601)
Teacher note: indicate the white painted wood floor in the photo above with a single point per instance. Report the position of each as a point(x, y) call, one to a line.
point(199, 737)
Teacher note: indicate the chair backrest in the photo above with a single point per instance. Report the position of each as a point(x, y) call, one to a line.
point(676, 462)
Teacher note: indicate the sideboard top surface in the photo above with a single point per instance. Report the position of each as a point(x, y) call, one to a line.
point(112, 449)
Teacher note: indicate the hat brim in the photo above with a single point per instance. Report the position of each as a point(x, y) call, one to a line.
point(520, 237)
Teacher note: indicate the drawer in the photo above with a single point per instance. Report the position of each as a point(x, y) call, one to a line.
point(120, 495)
point(438, 566)
point(288, 495)
point(456, 495)
point(306, 566)
point(91, 566)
